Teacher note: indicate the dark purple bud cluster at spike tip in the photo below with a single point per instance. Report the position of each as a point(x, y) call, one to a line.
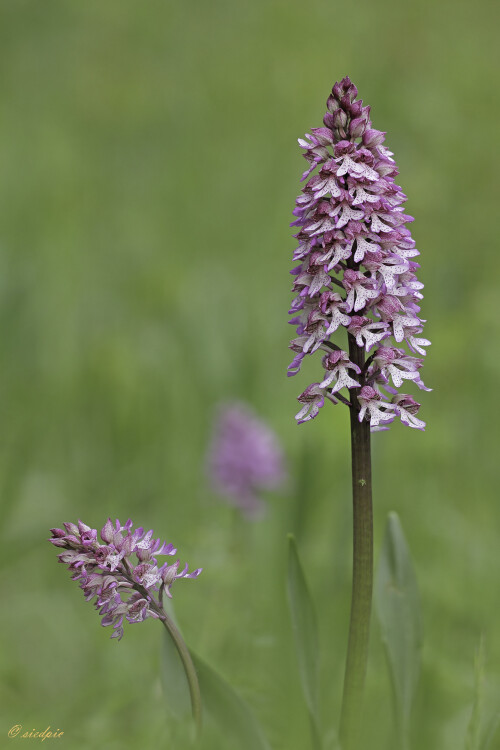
point(124, 588)
point(356, 269)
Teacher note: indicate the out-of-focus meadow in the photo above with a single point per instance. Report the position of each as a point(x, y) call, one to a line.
point(148, 169)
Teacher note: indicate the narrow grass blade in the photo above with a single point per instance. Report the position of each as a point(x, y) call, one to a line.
point(305, 632)
point(398, 608)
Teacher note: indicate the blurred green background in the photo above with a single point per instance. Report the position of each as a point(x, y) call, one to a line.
point(148, 169)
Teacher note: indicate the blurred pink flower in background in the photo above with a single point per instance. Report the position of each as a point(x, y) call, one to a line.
point(244, 458)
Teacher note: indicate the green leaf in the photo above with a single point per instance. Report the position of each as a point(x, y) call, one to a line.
point(305, 631)
point(473, 737)
point(233, 715)
point(398, 608)
point(482, 730)
point(491, 731)
point(173, 677)
point(173, 680)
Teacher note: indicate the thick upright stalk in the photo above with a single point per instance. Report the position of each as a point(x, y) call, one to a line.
point(362, 578)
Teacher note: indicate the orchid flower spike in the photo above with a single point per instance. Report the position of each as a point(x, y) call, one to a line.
point(355, 270)
point(123, 574)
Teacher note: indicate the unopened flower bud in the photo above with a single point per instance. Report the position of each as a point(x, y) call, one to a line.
point(332, 103)
point(356, 109)
point(357, 127)
point(328, 120)
point(339, 118)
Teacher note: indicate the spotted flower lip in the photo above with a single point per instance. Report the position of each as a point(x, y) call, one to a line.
point(312, 399)
point(124, 589)
point(357, 269)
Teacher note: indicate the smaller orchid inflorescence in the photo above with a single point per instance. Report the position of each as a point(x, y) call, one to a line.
point(356, 270)
point(125, 589)
point(245, 458)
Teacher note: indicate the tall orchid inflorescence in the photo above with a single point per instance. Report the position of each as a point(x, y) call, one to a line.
point(124, 588)
point(356, 270)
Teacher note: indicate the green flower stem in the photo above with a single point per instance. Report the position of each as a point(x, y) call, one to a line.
point(182, 649)
point(362, 578)
point(189, 668)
